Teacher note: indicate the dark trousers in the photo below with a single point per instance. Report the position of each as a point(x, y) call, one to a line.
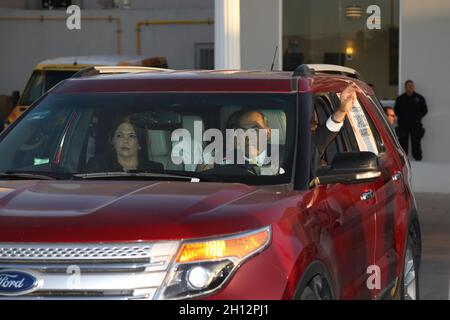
point(416, 133)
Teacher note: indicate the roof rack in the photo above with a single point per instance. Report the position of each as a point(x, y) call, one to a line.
point(307, 70)
point(96, 70)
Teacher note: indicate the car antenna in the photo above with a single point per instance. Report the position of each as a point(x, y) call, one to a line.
point(274, 56)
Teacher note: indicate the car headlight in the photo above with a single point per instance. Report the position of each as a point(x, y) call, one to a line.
point(204, 266)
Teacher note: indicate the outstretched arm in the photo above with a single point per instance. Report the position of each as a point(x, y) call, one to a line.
point(348, 98)
point(328, 131)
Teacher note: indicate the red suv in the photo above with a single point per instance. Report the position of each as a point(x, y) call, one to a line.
point(148, 186)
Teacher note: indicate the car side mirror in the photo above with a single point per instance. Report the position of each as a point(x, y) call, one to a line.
point(349, 168)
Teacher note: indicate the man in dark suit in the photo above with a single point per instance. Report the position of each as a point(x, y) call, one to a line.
point(410, 108)
point(255, 153)
point(322, 135)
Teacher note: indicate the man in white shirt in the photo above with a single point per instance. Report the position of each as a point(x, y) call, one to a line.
point(260, 154)
point(322, 135)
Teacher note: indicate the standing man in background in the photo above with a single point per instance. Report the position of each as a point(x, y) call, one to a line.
point(410, 108)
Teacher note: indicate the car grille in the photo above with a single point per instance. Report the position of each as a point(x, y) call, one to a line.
point(91, 271)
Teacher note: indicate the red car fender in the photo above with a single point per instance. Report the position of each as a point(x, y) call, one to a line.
point(306, 259)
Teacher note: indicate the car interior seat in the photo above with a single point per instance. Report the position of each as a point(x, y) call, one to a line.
point(277, 121)
point(189, 122)
point(160, 149)
point(160, 144)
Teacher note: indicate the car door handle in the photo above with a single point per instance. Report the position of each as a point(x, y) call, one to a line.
point(368, 195)
point(397, 176)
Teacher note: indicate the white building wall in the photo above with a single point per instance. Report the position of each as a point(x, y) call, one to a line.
point(25, 43)
point(260, 34)
point(425, 58)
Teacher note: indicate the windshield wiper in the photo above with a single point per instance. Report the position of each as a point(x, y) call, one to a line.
point(33, 175)
point(136, 175)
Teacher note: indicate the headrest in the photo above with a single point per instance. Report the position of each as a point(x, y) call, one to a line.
point(277, 120)
point(159, 142)
point(188, 123)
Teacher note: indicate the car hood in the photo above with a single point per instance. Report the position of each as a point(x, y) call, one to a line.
point(96, 211)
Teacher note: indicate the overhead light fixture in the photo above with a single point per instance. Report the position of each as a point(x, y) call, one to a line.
point(354, 12)
point(349, 51)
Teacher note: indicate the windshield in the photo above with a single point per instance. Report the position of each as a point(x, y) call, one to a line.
point(40, 82)
point(246, 138)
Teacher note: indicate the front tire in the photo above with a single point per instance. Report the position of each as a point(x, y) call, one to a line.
point(317, 289)
point(410, 275)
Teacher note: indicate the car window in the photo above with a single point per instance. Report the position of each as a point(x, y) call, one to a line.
point(323, 107)
point(382, 115)
point(381, 147)
point(39, 142)
point(220, 137)
point(40, 82)
point(362, 129)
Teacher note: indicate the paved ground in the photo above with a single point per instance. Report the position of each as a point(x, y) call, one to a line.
point(434, 211)
point(430, 177)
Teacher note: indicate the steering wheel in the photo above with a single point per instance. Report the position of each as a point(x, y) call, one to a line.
point(39, 138)
point(234, 170)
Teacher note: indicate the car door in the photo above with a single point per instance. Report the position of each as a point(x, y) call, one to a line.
point(391, 200)
point(347, 215)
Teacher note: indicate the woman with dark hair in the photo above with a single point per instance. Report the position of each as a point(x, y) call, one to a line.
point(128, 151)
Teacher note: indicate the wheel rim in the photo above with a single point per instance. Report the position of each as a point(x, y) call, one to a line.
point(409, 274)
point(320, 289)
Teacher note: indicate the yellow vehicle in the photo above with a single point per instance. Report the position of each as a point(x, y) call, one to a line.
point(50, 72)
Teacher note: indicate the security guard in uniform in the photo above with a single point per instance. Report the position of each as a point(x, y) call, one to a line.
point(410, 108)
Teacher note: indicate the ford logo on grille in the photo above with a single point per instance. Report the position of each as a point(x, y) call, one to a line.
point(14, 283)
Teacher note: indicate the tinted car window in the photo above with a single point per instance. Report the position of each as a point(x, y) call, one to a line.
point(361, 131)
point(78, 133)
point(377, 105)
point(40, 82)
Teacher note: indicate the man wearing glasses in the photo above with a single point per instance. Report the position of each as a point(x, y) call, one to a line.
point(322, 134)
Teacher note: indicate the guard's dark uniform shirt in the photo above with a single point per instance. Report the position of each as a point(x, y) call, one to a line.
point(410, 109)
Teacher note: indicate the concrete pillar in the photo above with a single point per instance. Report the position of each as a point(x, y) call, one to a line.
point(227, 34)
